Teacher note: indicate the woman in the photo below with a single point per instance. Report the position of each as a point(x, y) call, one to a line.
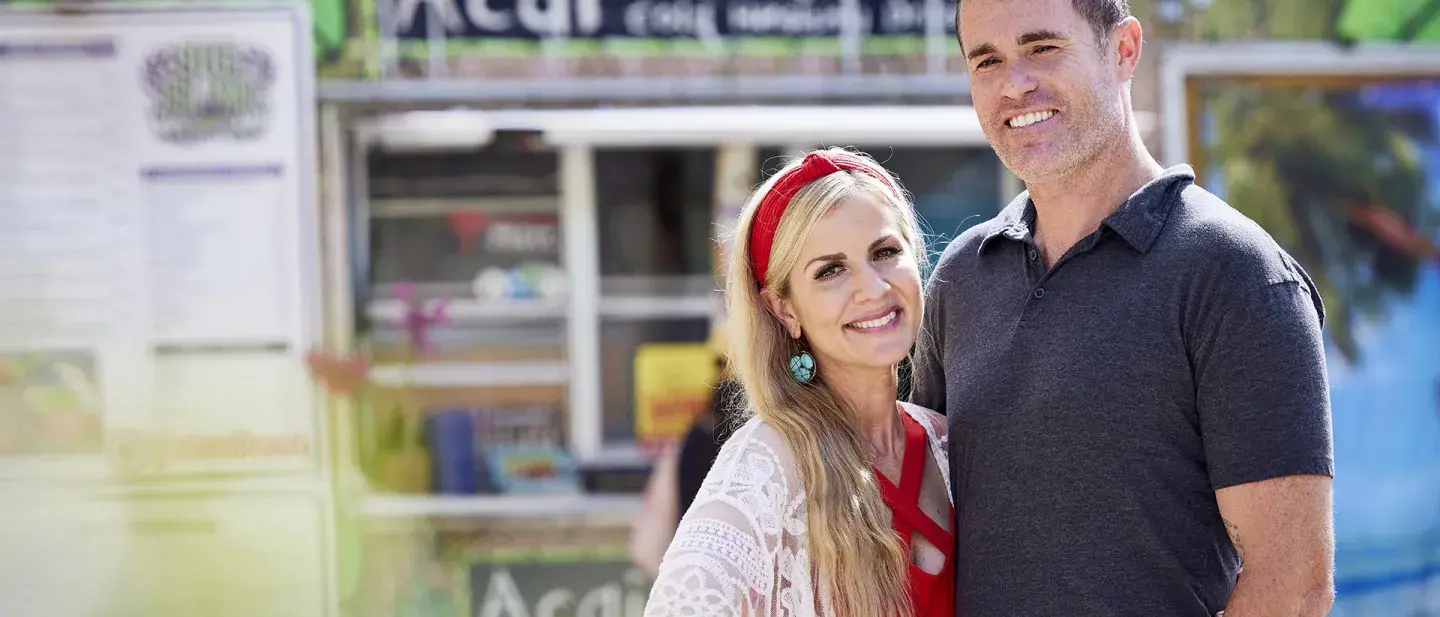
point(833, 498)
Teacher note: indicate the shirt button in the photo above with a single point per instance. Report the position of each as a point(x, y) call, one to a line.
point(1039, 293)
point(1034, 254)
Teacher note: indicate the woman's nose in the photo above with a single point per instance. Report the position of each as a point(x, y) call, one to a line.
point(870, 284)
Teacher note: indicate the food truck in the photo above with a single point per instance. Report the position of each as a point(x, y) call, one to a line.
point(574, 253)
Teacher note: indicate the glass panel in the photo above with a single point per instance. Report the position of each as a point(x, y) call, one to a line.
point(471, 415)
point(509, 167)
point(620, 340)
point(444, 219)
point(487, 411)
point(654, 212)
point(953, 188)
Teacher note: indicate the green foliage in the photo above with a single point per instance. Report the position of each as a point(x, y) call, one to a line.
point(1299, 161)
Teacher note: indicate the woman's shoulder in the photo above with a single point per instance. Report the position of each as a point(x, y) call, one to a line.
point(755, 437)
point(933, 421)
point(754, 476)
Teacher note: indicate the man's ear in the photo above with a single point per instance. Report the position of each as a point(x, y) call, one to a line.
point(781, 310)
point(1127, 40)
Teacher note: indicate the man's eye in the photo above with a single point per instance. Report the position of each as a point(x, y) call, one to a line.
point(986, 62)
point(1045, 48)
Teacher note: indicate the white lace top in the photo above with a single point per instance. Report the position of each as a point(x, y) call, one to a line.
point(741, 548)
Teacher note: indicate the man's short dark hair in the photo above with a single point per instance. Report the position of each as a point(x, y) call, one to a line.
point(1103, 16)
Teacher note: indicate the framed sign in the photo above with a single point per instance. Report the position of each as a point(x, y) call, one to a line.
point(1337, 155)
point(158, 219)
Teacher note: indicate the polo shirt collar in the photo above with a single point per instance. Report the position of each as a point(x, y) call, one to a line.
point(1013, 222)
point(1138, 221)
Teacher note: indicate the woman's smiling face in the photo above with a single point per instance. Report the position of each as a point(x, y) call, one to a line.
point(854, 292)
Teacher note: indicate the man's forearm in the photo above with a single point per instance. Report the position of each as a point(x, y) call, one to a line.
point(1283, 531)
point(1280, 592)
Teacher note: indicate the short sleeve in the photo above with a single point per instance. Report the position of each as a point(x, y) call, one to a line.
point(927, 376)
point(1262, 393)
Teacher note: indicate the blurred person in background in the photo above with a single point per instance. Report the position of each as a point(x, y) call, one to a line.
point(1133, 371)
point(831, 498)
point(681, 468)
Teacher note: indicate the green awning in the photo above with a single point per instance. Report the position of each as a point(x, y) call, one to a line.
point(328, 17)
point(1391, 20)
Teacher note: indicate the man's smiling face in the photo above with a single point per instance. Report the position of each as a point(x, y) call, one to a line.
point(1049, 93)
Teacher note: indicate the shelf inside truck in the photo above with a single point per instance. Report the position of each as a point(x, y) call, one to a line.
point(501, 506)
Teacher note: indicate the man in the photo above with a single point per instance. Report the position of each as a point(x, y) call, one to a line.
point(1133, 371)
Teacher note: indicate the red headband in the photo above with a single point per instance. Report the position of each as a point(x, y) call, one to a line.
point(816, 165)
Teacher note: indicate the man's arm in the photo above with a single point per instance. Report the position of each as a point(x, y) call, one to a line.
point(1264, 412)
point(1284, 532)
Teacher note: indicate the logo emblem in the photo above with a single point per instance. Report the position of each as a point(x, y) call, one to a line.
point(204, 91)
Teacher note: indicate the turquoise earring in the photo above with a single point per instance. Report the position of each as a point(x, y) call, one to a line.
point(802, 367)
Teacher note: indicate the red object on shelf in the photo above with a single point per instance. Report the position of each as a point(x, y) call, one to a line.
point(467, 227)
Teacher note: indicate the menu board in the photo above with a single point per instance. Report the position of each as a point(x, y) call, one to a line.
point(157, 241)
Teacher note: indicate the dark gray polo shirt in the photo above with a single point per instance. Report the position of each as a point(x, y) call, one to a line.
point(1096, 408)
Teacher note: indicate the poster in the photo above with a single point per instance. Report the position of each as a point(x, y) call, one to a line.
point(674, 383)
point(1346, 176)
point(158, 259)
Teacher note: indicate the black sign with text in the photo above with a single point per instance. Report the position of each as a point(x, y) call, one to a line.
point(601, 588)
point(703, 20)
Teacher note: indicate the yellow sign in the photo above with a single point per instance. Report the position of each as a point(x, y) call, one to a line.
point(674, 383)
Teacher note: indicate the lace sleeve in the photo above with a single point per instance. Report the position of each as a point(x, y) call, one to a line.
point(739, 549)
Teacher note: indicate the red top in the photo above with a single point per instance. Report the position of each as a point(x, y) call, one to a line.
point(933, 595)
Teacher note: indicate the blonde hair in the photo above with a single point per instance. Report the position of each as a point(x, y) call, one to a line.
point(861, 561)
